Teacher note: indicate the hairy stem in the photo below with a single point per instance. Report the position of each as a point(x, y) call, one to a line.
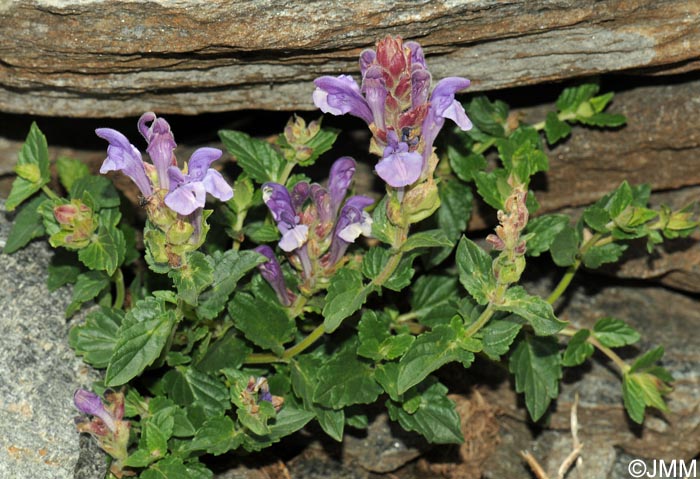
point(617, 360)
point(596, 240)
point(118, 279)
point(50, 193)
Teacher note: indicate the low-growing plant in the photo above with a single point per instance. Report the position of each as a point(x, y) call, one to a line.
point(211, 344)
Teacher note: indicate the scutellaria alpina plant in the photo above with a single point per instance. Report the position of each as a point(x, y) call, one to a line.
point(297, 318)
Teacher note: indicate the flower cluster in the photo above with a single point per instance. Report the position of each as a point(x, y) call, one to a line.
point(107, 425)
point(317, 225)
point(258, 390)
point(395, 101)
point(174, 198)
point(512, 220)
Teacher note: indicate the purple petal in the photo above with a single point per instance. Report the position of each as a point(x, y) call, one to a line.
point(351, 213)
point(90, 403)
point(420, 87)
point(322, 202)
point(300, 194)
point(175, 177)
point(278, 201)
point(417, 57)
point(123, 156)
point(161, 145)
point(186, 198)
point(399, 167)
point(200, 161)
point(367, 57)
point(341, 95)
point(442, 101)
point(375, 91)
point(147, 117)
point(215, 185)
point(339, 180)
point(272, 272)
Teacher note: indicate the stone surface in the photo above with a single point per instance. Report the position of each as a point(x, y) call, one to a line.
point(89, 58)
point(610, 439)
point(38, 375)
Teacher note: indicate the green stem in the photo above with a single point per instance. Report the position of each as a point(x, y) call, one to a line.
point(617, 360)
point(118, 279)
point(562, 116)
point(595, 240)
point(286, 172)
point(482, 147)
point(238, 227)
point(50, 193)
point(481, 321)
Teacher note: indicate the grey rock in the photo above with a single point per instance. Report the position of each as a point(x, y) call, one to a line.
point(38, 375)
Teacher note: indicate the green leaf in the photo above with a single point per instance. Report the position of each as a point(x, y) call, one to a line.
point(95, 339)
point(475, 271)
point(376, 259)
point(456, 202)
point(382, 228)
point(32, 168)
point(464, 162)
point(429, 352)
point(106, 249)
point(571, 98)
point(227, 352)
point(597, 218)
point(564, 247)
point(100, 190)
point(536, 365)
point(346, 294)
point(533, 309)
point(489, 117)
point(265, 324)
point(432, 299)
point(87, 286)
point(258, 158)
point(427, 239)
point(193, 276)
point(345, 380)
point(609, 120)
point(499, 334)
point(331, 421)
point(434, 417)
point(289, 420)
point(542, 231)
point(321, 142)
point(555, 129)
point(141, 338)
point(614, 333)
point(493, 187)
point(647, 360)
point(188, 386)
point(61, 274)
point(172, 467)
point(376, 341)
point(640, 390)
point(217, 436)
point(70, 170)
point(578, 349)
point(260, 232)
point(27, 225)
point(229, 269)
point(595, 256)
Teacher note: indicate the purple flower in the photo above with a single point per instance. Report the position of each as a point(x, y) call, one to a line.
point(161, 145)
point(341, 95)
point(443, 105)
point(123, 156)
point(272, 272)
point(399, 167)
point(339, 180)
point(279, 202)
point(90, 403)
point(188, 192)
point(352, 222)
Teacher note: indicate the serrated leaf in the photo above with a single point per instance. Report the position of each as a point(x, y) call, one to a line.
point(465, 163)
point(489, 117)
point(571, 98)
point(346, 294)
point(265, 324)
point(87, 287)
point(95, 339)
point(376, 259)
point(321, 142)
point(647, 360)
point(217, 436)
point(536, 365)
point(227, 352)
point(434, 416)
point(431, 299)
point(61, 274)
point(597, 218)
point(427, 239)
point(382, 228)
point(640, 390)
point(429, 352)
point(193, 276)
point(172, 467)
point(257, 158)
point(475, 271)
point(614, 333)
point(345, 380)
point(595, 256)
point(541, 232)
point(578, 349)
point(100, 189)
point(493, 187)
point(555, 129)
point(331, 421)
point(229, 269)
point(260, 232)
point(609, 120)
point(456, 201)
point(188, 386)
point(141, 338)
point(536, 311)
point(106, 249)
point(376, 341)
point(27, 225)
point(33, 156)
point(69, 170)
point(499, 334)
point(565, 246)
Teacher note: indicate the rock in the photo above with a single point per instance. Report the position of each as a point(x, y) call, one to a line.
point(610, 439)
point(115, 58)
point(38, 375)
